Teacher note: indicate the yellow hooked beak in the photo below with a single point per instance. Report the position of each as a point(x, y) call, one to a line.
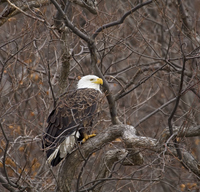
point(98, 81)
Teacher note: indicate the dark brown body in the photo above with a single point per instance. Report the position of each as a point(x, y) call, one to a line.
point(74, 112)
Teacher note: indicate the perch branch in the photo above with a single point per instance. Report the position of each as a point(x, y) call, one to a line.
point(127, 133)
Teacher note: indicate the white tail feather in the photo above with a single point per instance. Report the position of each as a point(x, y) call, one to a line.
point(53, 155)
point(65, 147)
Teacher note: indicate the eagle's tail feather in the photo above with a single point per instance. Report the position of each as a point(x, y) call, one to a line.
point(63, 149)
point(54, 155)
point(56, 160)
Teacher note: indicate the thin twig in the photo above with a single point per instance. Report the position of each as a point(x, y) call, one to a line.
point(140, 83)
point(49, 82)
point(28, 15)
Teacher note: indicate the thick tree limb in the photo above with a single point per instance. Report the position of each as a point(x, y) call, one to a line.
point(73, 161)
point(125, 157)
point(69, 167)
point(65, 49)
point(65, 66)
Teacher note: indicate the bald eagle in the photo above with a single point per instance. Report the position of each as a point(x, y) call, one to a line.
point(71, 119)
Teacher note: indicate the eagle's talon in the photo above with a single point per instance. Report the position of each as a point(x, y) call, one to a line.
point(83, 141)
point(92, 135)
point(86, 137)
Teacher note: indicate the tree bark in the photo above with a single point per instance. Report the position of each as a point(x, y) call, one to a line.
point(128, 134)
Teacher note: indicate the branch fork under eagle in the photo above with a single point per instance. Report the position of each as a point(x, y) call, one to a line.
point(72, 118)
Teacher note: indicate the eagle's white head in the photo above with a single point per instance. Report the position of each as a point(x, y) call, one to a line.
point(90, 81)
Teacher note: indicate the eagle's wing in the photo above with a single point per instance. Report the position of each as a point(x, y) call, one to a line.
point(72, 114)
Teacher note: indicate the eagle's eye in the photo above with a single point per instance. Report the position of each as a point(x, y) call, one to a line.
point(91, 79)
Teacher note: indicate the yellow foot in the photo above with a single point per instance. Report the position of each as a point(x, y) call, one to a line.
point(86, 137)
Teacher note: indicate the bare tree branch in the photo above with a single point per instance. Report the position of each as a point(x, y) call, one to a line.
point(19, 7)
point(10, 11)
point(69, 24)
point(121, 20)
